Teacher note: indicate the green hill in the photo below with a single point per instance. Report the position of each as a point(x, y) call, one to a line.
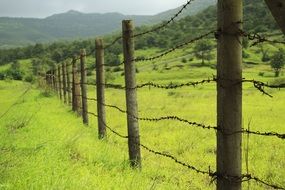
point(74, 25)
point(177, 32)
point(206, 20)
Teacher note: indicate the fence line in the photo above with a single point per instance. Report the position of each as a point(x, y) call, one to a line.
point(163, 25)
point(171, 86)
point(232, 31)
point(17, 101)
point(213, 175)
point(176, 47)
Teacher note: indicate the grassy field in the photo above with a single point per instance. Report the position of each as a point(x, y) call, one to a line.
point(45, 146)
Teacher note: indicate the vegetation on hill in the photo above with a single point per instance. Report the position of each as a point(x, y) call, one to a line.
point(45, 146)
point(74, 25)
point(176, 33)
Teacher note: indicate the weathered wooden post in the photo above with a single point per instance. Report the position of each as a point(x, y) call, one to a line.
point(46, 78)
point(100, 81)
point(131, 95)
point(75, 88)
point(229, 95)
point(59, 82)
point(54, 80)
point(41, 79)
point(84, 86)
point(50, 81)
point(64, 82)
point(68, 70)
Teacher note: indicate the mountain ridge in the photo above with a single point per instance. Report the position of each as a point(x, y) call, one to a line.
point(20, 31)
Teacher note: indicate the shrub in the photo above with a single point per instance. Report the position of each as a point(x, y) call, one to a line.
point(89, 72)
point(117, 69)
point(261, 74)
point(191, 59)
point(2, 76)
point(14, 74)
point(154, 67)
point(29, 78)
point(184, 60)
point(278, 61)
point(109, 77)
point(245, 55)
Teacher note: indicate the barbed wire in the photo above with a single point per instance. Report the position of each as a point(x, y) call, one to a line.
point(193, 123)
point(175, 86)
point(117, 39)
point(258, 38)
point(259, 85)
point(213, 175)
point(250, 177)
point(17, 101)
point(161, 118)
point(172, 85)
point(278, 135)
point(163, 25)
point(175, 47)
point(113, 131)
point(252, 36)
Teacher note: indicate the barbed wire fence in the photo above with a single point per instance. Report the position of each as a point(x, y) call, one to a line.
point(71, 85)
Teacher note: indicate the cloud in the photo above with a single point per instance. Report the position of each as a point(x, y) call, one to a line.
point(43, 8)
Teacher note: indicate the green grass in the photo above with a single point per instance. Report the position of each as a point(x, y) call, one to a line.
point(54, 150)
point(44, 145)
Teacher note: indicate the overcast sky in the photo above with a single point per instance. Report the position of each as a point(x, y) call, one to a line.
point(44, 8)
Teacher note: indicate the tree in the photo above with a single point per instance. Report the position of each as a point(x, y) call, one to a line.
point(57, 56)
point(14, 71)
point(36, 65)
point(278, 61)
point(42, 64)
point(203, 49)
point(112, 59)
point(265, 57)
point(38, 50)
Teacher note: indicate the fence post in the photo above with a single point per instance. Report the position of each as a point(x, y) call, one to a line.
point(41, 80)
point(100, 81)
point(84, 86)
point(75, 88)
point(54, 80)
point(59, 82)
point(46, 79)
point(131, 95)
point(51, 79)
point(229, 95)
point(63, 67)
point(67, 69)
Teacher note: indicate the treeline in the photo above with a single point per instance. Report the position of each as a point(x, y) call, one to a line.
point(177, 32)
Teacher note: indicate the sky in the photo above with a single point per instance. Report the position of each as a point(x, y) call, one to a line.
point(44, 8)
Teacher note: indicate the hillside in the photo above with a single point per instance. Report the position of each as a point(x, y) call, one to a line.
point(206, 20)
point(44, 145)
point(76, 25)
point(175, 33)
